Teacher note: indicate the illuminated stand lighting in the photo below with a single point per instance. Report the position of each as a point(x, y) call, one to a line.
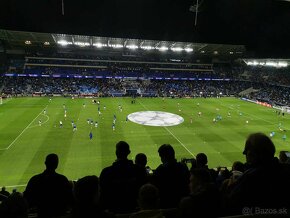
point(116, 45)
point(147, 47)
point(133, 47)
point(268, 63)
point(99, 45)
point(82, 44)
point(163, 48)
point(64, 42)
point(177, 49)
point(46, 43)
point(188, 49)
point(27, 42)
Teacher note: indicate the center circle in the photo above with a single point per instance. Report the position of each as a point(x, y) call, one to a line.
point(155, 118)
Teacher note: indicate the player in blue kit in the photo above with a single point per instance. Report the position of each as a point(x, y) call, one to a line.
point(91, 135)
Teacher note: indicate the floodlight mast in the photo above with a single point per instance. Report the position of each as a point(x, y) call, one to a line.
point(196, 13)
point(62, 7)
point(195, 8)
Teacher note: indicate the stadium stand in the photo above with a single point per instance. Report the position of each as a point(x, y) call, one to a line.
point(122, 190)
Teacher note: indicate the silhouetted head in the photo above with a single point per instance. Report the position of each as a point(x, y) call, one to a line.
point(283, 157)
point(201, 160)
point(3, 188)
point(238, 166)
point(148, 198)
point(141, 159)
point(122, 150)
point(14, 206)
point(199, 177)
point(166, 153)
point(87, 190)
point(259, 149)
point(51, 161)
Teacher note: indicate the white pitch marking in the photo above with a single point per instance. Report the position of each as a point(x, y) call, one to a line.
point(41, 123)
point(179, 142)
point(171, 133)
point(23, 131)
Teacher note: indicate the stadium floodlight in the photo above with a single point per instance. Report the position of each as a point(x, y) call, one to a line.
point(27, 42)
point(202, 51)
point(215, 52)
point(163, 48)
point(116, 45)
point(82, 44)
point(99, 45)
point(270, 64)
point(46, 43)
point(133, 47)
point(188, 49)
point(282, 64)
point(64, 42)
point(252, 63)
point(277, 64)
point(147, 47)
point(177, 49)
point(231, 52)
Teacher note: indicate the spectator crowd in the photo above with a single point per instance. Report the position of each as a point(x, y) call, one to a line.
point(129, 189)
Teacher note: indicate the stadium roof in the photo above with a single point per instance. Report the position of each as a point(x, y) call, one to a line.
point(18, 39)
point(261, 25)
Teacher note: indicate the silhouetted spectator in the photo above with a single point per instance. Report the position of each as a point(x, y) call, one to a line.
point(148, 200)
point(171, 178)
point(49, 191)
point(87, 202)
point(228, 184)
point(120, 182)
point(15, 206)
point(283, 158)
point(223, 174)
point(204, 198)
point(261, 186)
point(4, 194)
point(201, 162)
point(4, 191)
point(141, 160)
point(235, 174)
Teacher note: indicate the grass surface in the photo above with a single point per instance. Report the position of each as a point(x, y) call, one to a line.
point(24, 144)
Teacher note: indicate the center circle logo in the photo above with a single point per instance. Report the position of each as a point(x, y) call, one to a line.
point(155, 118)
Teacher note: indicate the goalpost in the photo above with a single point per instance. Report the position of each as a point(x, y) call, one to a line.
point(1, 100)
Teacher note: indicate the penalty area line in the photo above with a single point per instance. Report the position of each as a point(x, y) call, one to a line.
point(170, 133)
point(9, 146)
point(179, 142)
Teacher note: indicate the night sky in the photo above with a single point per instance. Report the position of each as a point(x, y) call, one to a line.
point(259, 24)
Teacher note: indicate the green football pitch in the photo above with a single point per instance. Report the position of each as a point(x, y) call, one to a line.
point(24, 143)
